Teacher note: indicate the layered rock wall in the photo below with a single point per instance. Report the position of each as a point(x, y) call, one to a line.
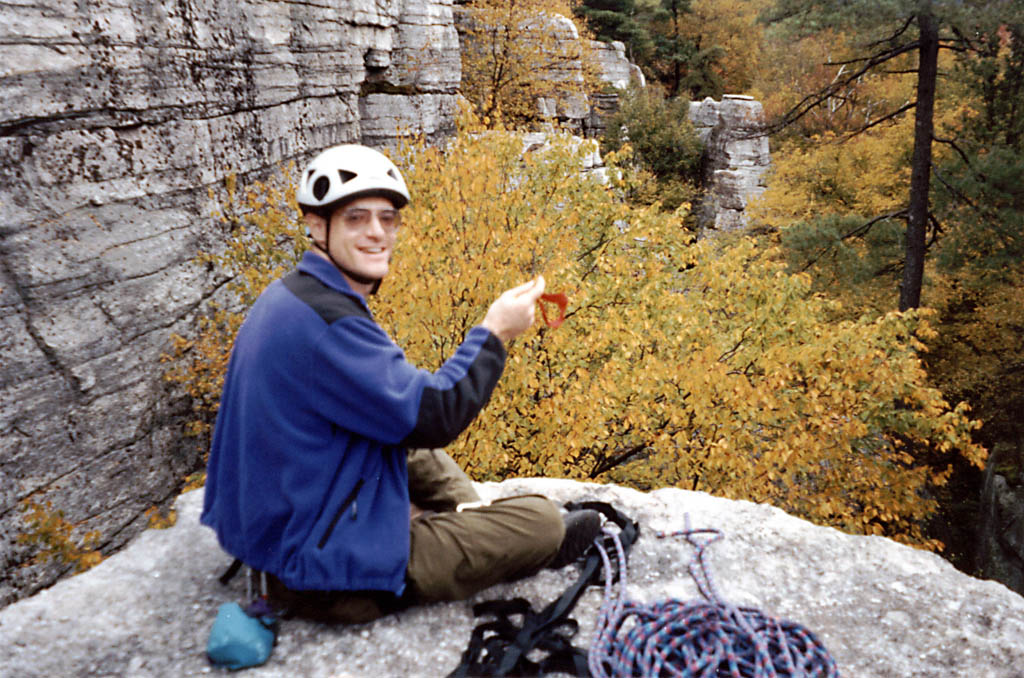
point(616, 68)
point(118, 117)
point(736, 158)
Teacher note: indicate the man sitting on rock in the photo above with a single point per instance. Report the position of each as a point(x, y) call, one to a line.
point(323, 473)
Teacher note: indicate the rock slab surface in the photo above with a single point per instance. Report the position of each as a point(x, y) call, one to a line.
point(883, 610)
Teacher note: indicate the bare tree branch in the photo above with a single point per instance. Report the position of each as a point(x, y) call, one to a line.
point(892, 38)
point(936, 229)
point(855, 233)
point(880, 57)
point(812, 101)
point(953, 190)
point(619, 457)
point(963, 155)
point(953, 46)
point(863, 229)
point(964, 42)
point(889, 268)
point(888, 116)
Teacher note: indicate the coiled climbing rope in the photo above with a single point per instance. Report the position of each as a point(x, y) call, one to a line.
point(707, 638)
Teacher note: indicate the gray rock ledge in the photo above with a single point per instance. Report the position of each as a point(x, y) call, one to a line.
point(882, 609)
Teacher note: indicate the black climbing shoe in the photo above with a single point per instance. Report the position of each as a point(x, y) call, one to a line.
point(581, 528)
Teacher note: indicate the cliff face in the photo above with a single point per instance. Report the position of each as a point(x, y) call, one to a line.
point(118, 116)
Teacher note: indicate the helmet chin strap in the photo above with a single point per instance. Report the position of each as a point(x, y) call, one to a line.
point(358, 277)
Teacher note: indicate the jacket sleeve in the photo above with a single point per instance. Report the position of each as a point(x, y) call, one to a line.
point(363, 383)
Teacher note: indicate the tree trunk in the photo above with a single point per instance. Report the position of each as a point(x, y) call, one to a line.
point(921, 164)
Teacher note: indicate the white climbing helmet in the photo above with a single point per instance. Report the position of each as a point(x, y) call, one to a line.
point(349, 171)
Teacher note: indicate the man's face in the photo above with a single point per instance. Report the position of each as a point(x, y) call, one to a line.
point(362, 235)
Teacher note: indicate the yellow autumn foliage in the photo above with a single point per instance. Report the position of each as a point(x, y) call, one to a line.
point(836, 203)
point(733, 26)
point(680, 364)
point(515, 52)
point(865, 175)
point(700, 365)
point(978, 354)
point(265, 237)
point(54, 538)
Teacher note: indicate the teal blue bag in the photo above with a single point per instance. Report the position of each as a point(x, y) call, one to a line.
point(241, 639)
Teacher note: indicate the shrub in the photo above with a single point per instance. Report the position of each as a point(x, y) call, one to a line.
point(53, 536)
point(659, 139)
point(265, 239)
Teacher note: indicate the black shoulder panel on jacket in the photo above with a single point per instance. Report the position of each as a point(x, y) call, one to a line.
point(445, 414)
point(329, 304)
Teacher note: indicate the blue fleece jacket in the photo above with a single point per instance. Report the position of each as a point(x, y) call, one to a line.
point(307, 474)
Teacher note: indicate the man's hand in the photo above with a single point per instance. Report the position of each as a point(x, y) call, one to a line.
point(513, 312)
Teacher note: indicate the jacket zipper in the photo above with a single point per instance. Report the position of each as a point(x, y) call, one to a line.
point(350, 500)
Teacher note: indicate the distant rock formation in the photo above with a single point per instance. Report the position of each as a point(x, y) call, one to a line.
point(619, 72)
point(736, 158)
point(881, 609)
point(616, 68)
point(117, 118)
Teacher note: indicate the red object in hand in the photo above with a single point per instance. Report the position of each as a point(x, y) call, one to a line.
point(559, 300)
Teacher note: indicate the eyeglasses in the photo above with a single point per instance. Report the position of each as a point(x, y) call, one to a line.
point(359, 219)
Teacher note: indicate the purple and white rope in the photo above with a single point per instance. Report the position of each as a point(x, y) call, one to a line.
point(707, 638)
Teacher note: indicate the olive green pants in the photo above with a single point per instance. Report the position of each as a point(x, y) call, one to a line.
point(452, 554)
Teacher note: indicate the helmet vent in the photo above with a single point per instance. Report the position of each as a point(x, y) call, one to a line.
point(393, 174)
point(346, 175)
point(320, 187)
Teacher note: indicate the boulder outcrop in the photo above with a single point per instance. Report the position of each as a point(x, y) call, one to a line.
point(881, 609)
point(118, 118)
point(616, 68)
point(736, 158)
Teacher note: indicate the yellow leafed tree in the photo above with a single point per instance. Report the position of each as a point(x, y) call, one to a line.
point(518, 51)
point(731, 25)
point(679, 364)
point(838, 202)
point(702, 365)
point(264, 240)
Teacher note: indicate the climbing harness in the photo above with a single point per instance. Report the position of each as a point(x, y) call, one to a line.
point(500, 647)
point(708, 638)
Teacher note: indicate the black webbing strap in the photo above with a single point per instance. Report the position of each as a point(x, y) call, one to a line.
point(489, 642)
point(500, 647)
point(230, 573)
